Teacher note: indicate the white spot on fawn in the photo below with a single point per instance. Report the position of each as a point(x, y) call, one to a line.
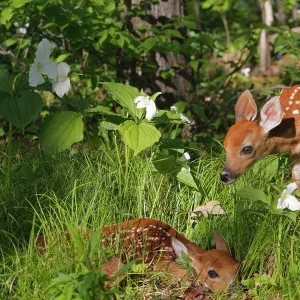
point(296, 112)
point(287, 108)
point(290, 102)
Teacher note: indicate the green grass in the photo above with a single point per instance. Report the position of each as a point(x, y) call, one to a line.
point(91, 189)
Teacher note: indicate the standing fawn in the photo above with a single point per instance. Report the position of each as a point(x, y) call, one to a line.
point(159, 245)
point(277, 131)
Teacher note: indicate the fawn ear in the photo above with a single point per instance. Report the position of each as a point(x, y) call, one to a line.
point(179, 247)
point(221, 244)
point(245, 108)
point(271, 114)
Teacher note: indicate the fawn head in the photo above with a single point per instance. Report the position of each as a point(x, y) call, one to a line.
point(216, 268)
point(247, 140)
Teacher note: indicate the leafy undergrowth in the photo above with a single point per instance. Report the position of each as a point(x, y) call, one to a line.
point(88, 190)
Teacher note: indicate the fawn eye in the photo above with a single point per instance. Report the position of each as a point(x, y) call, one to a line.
point(247, 150)
point(213, 274)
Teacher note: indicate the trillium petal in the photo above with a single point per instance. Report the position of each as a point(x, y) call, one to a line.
point(174, 108)
point(63, 69)
point(35, 76)
point(291, 188)
point(150, 110)
point(142, 104)
point(284, 193)
point(292, 203)
point(184, 157)
point(44, 50)
point(50, 69)
point(141, 99)
point(281, 203)
point(61, 87)
point(184, 118)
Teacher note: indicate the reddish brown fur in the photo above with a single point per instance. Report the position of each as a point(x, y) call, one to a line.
point(150, 241)
point(285, 137)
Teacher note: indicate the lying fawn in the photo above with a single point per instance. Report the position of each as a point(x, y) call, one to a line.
point(277, 131)
point(159, 245)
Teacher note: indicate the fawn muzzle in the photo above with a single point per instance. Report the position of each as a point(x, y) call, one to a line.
point(227, 178)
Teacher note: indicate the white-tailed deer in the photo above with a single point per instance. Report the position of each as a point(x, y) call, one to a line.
point(277, 131)
point(159, 245)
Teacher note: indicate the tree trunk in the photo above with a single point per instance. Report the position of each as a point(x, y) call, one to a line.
point(294, 11)
point(264, 49)
point(281, 13)
point(175, 88)
point(226, 27)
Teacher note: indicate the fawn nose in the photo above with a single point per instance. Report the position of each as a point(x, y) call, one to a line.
point(225, 177)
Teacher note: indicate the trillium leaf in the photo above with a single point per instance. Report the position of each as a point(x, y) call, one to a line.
point(253, 195)
point(124, 94)
point(60, 131)
point(166, 164)
point(138, 136)
point(186, 177)
point(21, 109)
point(5, 82)
point(108, 125)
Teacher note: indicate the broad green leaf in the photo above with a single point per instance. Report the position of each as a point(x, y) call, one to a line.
point(7, 13)
point(166, 164)
point(21, 109)
point(175, 145)
point(190, 24)
point(124, 94)
point(148, 44)
point(68, 291)
point(21, 83)
point(62, 57)
point(138, 136)
point(100, 109)
point(20, 3)
point(5, 82)
point(173, 33)
point(253, 195)
point(180, 105)
point(108, 125)
point(186, 177)
point(60, 131)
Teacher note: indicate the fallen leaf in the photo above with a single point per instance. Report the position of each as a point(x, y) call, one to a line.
point(210, 208)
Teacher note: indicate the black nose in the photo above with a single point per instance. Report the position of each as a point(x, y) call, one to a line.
point(225, 176)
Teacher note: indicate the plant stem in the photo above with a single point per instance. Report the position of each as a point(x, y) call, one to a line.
point(157, 195)
point(8, 182)
point(127, 153)
point(279, 250)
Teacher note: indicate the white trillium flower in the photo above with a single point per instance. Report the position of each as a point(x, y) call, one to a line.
point(287, 200)
point(184, 118)
point(246, 71)
point(146, 102)
point(42, 64)
point(22, 30)
point(174, 108)
point(62, 85)
point(186, 156)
